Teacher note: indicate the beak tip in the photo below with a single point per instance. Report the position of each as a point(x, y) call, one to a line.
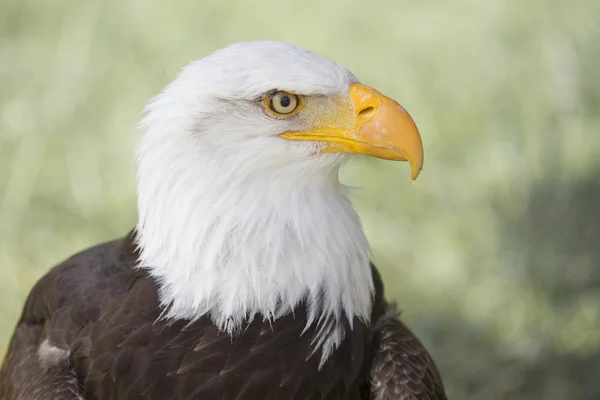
point(415, 170)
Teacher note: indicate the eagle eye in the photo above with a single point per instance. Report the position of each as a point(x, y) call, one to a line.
point(282, 104)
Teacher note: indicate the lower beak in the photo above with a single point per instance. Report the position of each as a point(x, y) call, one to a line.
point(382, 128)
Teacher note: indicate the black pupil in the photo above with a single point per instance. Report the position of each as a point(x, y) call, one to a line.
point(285, 101)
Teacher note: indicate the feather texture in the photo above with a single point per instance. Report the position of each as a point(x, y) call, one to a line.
point(402, 368)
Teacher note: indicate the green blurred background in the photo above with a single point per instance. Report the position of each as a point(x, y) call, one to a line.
point(494, 253)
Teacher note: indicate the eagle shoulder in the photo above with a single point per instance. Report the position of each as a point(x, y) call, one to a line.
point(59, 306)
point(401, 367)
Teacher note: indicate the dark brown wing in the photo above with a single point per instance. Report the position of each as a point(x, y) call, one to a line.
point(37, 363)
point(24, 377)
point(402, 369)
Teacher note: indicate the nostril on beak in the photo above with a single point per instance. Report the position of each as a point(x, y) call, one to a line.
point(366, 113)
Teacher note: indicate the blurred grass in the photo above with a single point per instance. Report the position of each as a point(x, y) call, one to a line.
point(494, 253)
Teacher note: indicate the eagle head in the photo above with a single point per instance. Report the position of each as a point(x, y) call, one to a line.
point(241, 213)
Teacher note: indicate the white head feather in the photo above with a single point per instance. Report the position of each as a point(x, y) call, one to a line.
point(236, 222)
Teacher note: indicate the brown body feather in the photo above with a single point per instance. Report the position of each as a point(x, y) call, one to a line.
point(101, 315)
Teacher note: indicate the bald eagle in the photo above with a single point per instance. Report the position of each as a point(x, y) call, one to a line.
point(248, 274)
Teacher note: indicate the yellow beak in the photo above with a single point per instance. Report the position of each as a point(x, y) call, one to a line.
point(381, 128)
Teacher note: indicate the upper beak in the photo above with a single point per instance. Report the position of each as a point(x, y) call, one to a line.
point(382, 128)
